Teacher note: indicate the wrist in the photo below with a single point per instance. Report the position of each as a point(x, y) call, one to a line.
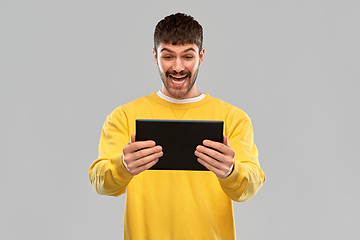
point(125, 165)
point(230, 171)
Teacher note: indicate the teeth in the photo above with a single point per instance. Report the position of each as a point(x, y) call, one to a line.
point(178, 76)
point(174, 78)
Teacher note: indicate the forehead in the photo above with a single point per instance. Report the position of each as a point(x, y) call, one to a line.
point(182, 48)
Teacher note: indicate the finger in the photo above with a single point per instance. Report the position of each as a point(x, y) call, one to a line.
point(208, 159)
point(214, 158)
point(226, 141)
point(132, 139)
point(220, 147)
point(216, 171)
point(210, 152)
point(135, 146)
point(145, 152)
point(144, 167)
point(142, 163)
point(216, 145)
point(130, 157)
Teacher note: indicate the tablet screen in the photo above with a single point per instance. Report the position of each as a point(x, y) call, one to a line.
point(178, 139)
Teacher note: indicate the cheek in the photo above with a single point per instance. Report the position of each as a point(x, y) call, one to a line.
point(192, 67)
point(163, 66)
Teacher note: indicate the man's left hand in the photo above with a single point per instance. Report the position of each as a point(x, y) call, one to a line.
point(219, 162)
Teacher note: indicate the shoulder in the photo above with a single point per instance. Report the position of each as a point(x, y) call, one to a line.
point(142, 101)
point(235, 119)
point(139, 102)
point(230, 110)
point(125, 109)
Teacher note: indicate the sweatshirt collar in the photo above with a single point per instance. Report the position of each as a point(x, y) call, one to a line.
point(180, 101)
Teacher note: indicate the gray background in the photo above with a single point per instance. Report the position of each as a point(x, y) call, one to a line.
point(293, 66)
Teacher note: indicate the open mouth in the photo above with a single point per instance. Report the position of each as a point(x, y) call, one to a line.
point(178, 80)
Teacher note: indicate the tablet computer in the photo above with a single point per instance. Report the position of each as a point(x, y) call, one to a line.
point(178, 139)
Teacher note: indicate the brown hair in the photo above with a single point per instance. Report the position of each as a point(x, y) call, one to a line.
point(177, 29)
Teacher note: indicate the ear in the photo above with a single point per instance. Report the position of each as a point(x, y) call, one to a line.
point(202, 52)
point(155, 56)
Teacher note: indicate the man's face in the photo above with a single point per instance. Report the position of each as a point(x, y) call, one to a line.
point(178, 68)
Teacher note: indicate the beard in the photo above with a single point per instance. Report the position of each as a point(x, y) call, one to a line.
point(179, 92)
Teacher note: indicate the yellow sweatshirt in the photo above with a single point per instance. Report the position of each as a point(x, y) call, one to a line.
point(175, 205)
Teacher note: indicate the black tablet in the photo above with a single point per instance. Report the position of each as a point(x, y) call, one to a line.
point(178, 140)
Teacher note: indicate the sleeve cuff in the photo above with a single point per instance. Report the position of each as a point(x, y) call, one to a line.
point(234, 177)
point(118, 168)
point(230, 171)
point(125, 165)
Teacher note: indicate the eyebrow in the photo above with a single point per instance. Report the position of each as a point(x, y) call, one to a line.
point(185, 51)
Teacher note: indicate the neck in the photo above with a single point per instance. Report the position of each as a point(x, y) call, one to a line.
point(191, 94)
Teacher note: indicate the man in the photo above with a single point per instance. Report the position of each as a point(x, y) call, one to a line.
point(178, 204)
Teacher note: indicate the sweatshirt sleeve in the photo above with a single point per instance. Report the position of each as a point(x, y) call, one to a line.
point(247, 176)
point(107, 174)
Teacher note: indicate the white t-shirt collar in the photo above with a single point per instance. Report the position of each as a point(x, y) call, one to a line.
point(180, 101)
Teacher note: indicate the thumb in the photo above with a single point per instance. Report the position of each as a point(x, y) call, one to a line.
point(132, 140)
point(226, 141)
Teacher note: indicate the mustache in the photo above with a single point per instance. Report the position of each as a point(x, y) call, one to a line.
point(184, 72)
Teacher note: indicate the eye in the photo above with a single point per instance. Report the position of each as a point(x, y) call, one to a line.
point(167, 57)
point(188, 57)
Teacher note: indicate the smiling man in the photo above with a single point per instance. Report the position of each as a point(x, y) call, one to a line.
point(178, 67)
point(178, 204)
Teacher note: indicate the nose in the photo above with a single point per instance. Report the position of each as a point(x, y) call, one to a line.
point(178, 65)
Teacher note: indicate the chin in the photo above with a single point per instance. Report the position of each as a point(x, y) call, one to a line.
point(177, 95)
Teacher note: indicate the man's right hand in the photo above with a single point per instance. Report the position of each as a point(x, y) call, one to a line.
point(138, 160)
